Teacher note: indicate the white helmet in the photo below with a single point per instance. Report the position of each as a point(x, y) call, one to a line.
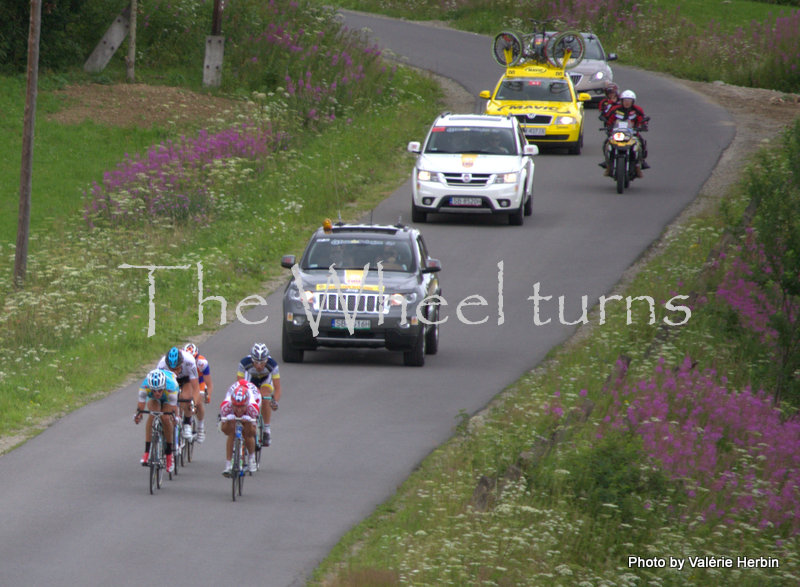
point(628, 94)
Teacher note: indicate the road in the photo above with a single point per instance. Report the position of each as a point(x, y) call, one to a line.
point(352, 425)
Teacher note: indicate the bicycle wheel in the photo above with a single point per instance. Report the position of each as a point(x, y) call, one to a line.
point(236, 465)
point(566, 50)
point(153, 475)
point(507, 48)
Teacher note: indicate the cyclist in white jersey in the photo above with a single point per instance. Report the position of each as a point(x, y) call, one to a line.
point(242, 400)
point(183, 365)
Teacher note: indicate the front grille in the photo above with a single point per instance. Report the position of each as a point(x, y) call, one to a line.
point(467, 179)
point(576, 78)
point(366, 303)
point(536, 119)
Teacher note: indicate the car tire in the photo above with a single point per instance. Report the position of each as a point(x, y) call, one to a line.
point(577, 147)
point(432, 335)
point(418, 216)
point(290, 354)
point(529, 205)
point(515, 218)
point(416, 356)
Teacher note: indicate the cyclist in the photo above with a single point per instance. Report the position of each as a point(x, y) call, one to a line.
point(183, 365)
point(627, 109)
point(158, 392)
point(241, 401)
point(261, 369)
point(203, 375)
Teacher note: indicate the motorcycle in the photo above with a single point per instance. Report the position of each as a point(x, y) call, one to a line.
point(622, 151)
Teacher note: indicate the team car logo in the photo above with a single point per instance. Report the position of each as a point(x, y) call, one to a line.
point(466, 177)
point(467, 161)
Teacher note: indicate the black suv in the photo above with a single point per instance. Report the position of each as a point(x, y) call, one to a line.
point(362, 285)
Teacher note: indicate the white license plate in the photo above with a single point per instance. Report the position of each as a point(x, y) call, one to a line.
point(464, 201)
point(357, 324)
point(535, 131)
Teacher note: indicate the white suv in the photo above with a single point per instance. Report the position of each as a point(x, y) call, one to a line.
point(473, 163)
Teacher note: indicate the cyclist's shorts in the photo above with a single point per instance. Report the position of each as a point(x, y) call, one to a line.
point(183, 380)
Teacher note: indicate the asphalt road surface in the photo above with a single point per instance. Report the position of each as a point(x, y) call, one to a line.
point(75, 508)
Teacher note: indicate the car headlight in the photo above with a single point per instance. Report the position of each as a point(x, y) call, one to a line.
point(566, 120)
point(510, 177)
point(397, 299)
point(599, 75)
point(294, 295)
point(424, 175)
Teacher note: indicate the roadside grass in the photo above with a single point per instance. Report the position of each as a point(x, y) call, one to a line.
point(80, 312)
point(541, 488)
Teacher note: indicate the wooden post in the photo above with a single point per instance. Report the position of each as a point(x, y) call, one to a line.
point(26, 169)
point(130, 62)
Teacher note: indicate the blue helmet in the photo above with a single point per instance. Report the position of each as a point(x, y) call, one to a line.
point(156, 380)
point(260, 352)
point(174, 358)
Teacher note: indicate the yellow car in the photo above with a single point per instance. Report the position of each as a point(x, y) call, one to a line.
point(544, 101)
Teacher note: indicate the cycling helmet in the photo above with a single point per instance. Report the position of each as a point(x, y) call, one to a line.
point(174, 358)
point(239, 396)
point(611, 87)
point(260, 352)
point(192, 349)
point(156, 380)
point(628, 94)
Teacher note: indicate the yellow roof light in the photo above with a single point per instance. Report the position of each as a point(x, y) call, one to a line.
point(327, 226)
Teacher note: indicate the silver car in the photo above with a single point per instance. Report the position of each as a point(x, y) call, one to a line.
point(591, 74)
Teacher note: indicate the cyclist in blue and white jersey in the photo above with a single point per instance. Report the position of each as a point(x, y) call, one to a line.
point(183, 365)
point(159, 393)
point(262, 370)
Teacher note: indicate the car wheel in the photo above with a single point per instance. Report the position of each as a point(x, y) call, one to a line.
point(577, 147)
point(289, 353)
point(515, 218)
point(416, 356)
point(432, 335)
point(529, 205)
point(417, 215)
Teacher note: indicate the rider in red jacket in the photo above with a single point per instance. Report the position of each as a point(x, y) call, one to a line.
point(607, 103)
point(627, 109)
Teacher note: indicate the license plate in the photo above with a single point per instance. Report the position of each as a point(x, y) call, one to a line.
point(341, 323)
point(535, 131)
point(464, 201)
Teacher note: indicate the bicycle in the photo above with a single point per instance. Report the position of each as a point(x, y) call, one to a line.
point(563, 50)
point(187, 444)
point(238, 460)
point(260, 429)
point(157, 460)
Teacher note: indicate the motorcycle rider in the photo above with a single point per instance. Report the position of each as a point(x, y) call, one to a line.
point(607, 103)
point(627, 109)
point(604, 107)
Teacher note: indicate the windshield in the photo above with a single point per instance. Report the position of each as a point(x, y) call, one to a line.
point(354, 253)
point(537, 90)
point(471, 139)
point(593, 50)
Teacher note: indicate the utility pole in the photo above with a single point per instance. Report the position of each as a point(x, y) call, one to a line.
point(26, 169)
point(215, 48)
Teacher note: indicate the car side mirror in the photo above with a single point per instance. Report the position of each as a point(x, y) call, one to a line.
point(611, 57)
point(485, 94)
point(288, 261)
point(584, 97)
point(530, 149)
point(414, 147)
point(432, 266)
